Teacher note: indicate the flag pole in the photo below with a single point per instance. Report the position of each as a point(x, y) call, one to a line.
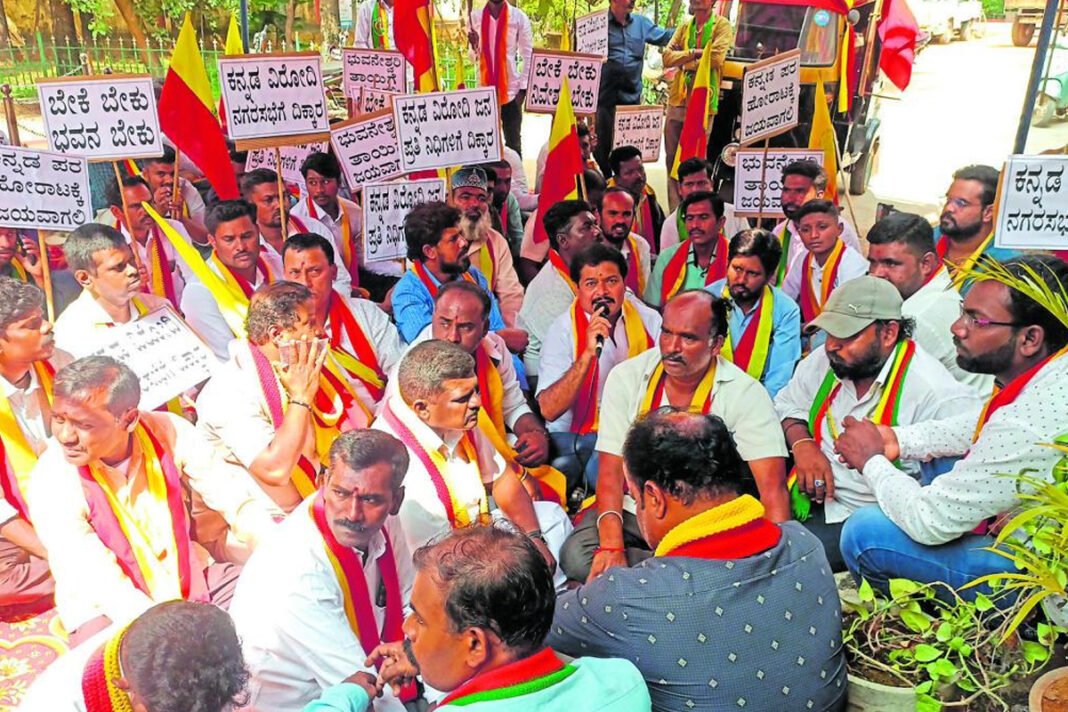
point(841, 171)
point(46, 275)
point(582, 184)
point(282, 195)
point(176, 194)
point(763, 178)
point(126, 214)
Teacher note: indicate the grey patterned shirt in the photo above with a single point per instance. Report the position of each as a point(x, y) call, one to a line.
point(760, 633)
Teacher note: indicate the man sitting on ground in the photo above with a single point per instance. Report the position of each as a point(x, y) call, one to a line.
point(764, 333)
point(928, 533)
point(616, 212)
point(734, 610)
point(697, 261)
point(628, 172)
point(695, 176)
point(684, 371)
point(869, 367)
point(316, 599)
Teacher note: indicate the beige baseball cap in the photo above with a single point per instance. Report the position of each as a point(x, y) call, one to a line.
point(855, 305)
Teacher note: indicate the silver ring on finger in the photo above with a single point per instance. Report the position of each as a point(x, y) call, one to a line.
point(819, 484)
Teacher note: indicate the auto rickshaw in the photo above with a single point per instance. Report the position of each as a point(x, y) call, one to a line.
point(764, 28)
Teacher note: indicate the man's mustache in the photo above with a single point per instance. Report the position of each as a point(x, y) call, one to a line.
point(351, 525)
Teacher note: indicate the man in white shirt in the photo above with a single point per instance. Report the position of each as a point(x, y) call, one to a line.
point(901, 250)
point(187, 207)
point(28, 361)
point(695, 176)
point(176, 655)
point(487, 250)
point(604, 326)
point(868, 368)
point(334, 583)
point(238, 259)
point(260, 188)
point(102, 262)
point(571, 226)
point(928, 532)
point(374, 25)
point(454, 469)
point(803, 181)
point(357, 329)
point(616, 212)
point(109, 501)
point(500, 27)
point(322, 178)
point(151, 245)
point(262, 409)
point(686, 371)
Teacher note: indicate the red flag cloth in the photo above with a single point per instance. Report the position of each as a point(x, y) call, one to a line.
point(898, 30)
point(411, 34)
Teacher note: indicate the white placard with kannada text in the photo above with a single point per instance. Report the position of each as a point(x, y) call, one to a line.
point(167, 356)
point(375, 69)
point(770, 92)
point(103, 118)
point(1033, 213)
point(591, 33)
point(641, 127)
point(385, 205)
point(292, 158)
point(444, 129)
point(370, 101)
point(273, 96)
point(748, 169)
point(43, 190)
point(546, 75)
point(367, 149)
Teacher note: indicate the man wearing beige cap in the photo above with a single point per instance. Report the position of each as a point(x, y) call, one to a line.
point(869, 368)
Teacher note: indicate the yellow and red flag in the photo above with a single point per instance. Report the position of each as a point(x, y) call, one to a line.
point(693, 142)
point(823, 139)
point(234, 45)
point(412, 34)
point(563, 166)
point(186, 114)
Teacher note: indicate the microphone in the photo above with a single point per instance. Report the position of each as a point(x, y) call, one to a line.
point(602, 309)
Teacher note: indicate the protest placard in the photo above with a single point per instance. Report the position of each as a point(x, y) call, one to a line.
point(371, 101)
point(103, 118)
point(749, 168)
point(274, 99)
point(641, 127)
point(385, 206)
point(367, 149)
point(444, 129)
point(770, 92)
point(591, 33)
point(167, 356)
point(376, 69)
point(546, 75)
point(42, 190)
point(292, 158)
point(1033, 211)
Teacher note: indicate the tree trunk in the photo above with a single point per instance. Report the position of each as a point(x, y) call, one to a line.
point(64, 30)
point(673, 13)
point(291, 19)
point(133, 23)
point(5, 33)
point(329, 22)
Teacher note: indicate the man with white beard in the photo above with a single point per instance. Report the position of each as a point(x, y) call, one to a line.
point(488, 249)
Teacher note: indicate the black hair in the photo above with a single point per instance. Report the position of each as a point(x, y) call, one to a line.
point(688, 455)
point(88, 239)
point(807, 169)
point(702, 196)
point(168, 158)
point(254, 178)
point(495, 579)
point(323, 163)
point(621, 154)
point(462, 285)
point(424, 225)
point(908, 229)
point(303, 241)
point(558, 217)
point(593, 255)
point(758, 243)
point(1053, 273)
point(181, 656)
point(824, 207)
point(274, 304)
point(694, 165)
point(987, 175)
point(112, 194)
point(226, 211)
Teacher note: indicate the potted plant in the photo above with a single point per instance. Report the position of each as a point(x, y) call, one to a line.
point(923, 647)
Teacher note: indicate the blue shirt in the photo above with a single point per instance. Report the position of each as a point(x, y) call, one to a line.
point(413, 307)
point(621, 75)
point(784, 351)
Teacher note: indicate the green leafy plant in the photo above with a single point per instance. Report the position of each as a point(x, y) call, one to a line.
point(955, 653)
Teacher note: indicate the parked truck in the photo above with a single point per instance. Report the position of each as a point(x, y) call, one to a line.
point(946, 20)
point(1025, 16)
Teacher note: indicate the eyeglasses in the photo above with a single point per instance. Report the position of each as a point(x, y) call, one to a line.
point(971, 320)
point(959, 203)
